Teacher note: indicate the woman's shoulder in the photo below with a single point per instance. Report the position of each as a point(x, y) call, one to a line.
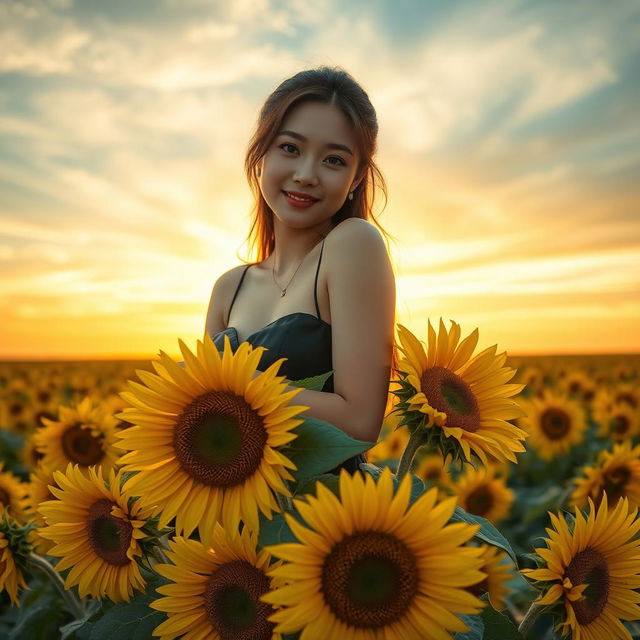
point(355, 239)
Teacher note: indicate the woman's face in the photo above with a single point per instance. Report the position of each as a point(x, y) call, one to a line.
point(302, 158)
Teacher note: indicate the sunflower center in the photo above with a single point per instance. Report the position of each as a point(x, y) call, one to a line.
point(219, 439)
point(555, 423)
point(480, 501)
point(81, 447)
point(620, 425)
point(232, 602)
point(590, 567)
point(627, 398)
point(369, 579)
point(615, 483)
point(109, 536)
point(5, 498)
point(449, 393)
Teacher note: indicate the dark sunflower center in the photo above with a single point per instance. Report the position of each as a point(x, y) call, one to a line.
point(43, 396)
point(81, 447)
point(5, 498)
point(589, 567)
point(16, 408)
point(555, 423)
point(370, 579)
point(480, 501)
point(620, 425)
point(219, 439)
point(233, 605)
point(109, 536)
point(627, 398)
point(449, 393)
point(615, 483)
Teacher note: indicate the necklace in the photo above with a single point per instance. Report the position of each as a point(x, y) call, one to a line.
point(273, 274)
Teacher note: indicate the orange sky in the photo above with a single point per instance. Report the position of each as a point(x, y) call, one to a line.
point(507, 141)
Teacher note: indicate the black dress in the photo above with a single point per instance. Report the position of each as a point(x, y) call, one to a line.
point(302, 338)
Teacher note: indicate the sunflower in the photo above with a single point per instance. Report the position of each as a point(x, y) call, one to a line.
point(579, 385)
point(390, 447)
point(499, 572)
point(555, 424)
point(13, 494)
point(432, 469)
point(464, 399)
point(207, 435)
point(216, 589)
point(30, 455)
point(484, 494)
point(593, 569)
point(14, 550)
point(98, 532)
point(82, 435)
point(369, 565)
point(617, 474)
point(619, 422)
point(38, 491)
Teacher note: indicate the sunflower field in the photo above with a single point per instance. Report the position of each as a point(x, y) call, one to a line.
point(193, 499)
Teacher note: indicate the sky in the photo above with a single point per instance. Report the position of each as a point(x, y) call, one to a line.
point(508, 140)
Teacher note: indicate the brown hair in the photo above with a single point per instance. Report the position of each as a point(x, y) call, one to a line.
point(329, 85)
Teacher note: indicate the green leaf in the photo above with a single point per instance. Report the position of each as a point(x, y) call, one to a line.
point(498, 626)
point(132, 620)
point(275, 531)
point(308, 485)
point(417, 485)
point(487, 532)
point(476, 628)
point(315, 383)
point(320, 447)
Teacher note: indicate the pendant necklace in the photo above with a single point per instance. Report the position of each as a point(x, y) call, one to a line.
point(284, 291)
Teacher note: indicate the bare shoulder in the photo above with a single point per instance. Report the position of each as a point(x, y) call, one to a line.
point(355, 241)
point(220, 301)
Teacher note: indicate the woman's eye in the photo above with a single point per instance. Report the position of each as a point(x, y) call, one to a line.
point(284, 146)
point(338, 158)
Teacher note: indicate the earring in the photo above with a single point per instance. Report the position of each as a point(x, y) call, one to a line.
point(350, 195)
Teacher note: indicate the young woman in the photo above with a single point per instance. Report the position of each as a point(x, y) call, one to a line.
point(322, 292)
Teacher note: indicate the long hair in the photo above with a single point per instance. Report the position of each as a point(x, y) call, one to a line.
point(329, 85)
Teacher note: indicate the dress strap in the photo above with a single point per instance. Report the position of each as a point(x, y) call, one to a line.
point(315, 285)
point(244, 273)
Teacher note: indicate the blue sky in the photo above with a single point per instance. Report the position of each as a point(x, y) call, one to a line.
point(508, 139)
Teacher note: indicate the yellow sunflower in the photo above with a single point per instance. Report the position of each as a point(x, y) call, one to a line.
point(13, 494)
point(82, 435)
point(216, 589)
point(555, 424)
point(465, 399)
point(580, 385)
point(207, 436)
point(617, 474)
point(593, 569)
point(14, 550)
point(368, 564)
point(97, 531)
point(432, 469)
point(484, 494)
point(499, 572)
point(619, 423)
point(38, 491)
point(390, 447)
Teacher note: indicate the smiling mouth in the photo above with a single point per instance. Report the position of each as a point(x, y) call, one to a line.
point(298, 198)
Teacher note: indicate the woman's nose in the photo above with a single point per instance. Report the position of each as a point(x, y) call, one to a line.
point(305, 172)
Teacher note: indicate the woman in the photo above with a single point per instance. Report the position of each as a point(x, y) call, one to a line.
point(322, 293)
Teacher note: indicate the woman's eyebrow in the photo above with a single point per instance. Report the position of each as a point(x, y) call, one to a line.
point(330, 145)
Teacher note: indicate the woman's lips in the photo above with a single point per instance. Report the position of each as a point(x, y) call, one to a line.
point(299, 204)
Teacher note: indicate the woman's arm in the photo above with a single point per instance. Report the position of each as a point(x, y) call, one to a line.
point(362, 298)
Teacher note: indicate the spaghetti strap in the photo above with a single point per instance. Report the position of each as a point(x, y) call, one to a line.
point(315, 285)
point(244, 273)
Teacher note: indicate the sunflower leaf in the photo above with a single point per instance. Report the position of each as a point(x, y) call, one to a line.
point(275, 531)
point(315, 383)
point(498, 626)
point(320, 447)
point(476, 628)
point(487, 532)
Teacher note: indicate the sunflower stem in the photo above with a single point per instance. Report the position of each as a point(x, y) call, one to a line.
point(74, 605)
point(284, 502)
point(529, 618)
point(416, 440)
